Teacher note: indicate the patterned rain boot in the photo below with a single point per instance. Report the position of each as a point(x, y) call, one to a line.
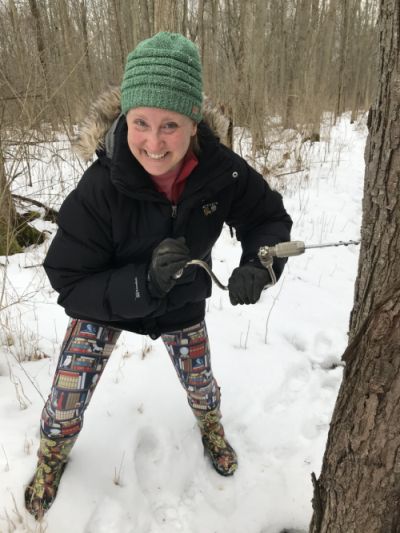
point(221, 453)
point(42, 490)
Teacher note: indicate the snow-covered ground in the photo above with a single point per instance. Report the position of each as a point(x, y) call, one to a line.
point(138, 466)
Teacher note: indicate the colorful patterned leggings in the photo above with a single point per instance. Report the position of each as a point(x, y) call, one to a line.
point(84, 354)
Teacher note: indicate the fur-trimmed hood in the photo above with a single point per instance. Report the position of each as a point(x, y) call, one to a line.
point(106, 109)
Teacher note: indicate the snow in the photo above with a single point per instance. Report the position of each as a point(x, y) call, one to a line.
point(138, 465)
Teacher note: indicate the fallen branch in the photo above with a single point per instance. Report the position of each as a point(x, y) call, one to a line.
point(50, 213)
point(290, 172)
point(20, 97)
point(34, 266)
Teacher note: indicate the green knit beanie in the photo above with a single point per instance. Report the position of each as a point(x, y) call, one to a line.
point(164, 71)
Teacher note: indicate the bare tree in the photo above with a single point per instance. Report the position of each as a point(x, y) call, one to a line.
point(40, 40)
point(359, 486)
point(200, 28)
point(85, 43)
point(116, 11)
point(343, 53)
point(165, 15)
point(185, 17)
point(298, 52)
point(8, 216)
point(145, 19)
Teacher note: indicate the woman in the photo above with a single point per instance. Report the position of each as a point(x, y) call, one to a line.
point(157, 196)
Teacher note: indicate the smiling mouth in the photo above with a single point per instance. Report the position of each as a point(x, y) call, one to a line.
point(155, 156)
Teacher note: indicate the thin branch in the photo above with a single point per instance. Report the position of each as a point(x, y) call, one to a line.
point(19, 97)
point(50, 212)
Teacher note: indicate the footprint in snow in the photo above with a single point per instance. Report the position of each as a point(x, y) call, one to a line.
point(152, 465)
point(149, 461)
point(297, 340)
point(109, 515)
point(324, 353)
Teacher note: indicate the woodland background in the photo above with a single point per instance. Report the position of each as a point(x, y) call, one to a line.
point(267, 65)
point(291, 59)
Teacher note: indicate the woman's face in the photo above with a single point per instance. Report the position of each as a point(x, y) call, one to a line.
point(159, 139)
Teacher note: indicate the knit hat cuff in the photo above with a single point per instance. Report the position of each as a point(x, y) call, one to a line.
point(164, 99)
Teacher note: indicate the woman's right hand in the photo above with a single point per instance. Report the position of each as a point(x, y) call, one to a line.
point(168, 258)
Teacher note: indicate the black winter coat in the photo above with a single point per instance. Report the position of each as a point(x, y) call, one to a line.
point(110, 224)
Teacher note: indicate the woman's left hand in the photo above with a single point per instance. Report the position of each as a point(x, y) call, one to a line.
point(246, 284)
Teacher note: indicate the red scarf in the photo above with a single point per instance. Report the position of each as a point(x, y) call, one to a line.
point(173, 182)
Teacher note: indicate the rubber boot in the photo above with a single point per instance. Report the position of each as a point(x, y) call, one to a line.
point(221, 453)
point(42, 489)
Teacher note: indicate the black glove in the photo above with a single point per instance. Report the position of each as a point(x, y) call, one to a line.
point(168, 258)
point(246, 284)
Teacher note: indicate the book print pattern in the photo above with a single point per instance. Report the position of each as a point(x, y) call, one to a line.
point(84, 354)
point(189, 351)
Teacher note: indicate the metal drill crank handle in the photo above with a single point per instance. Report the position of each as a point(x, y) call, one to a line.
point(204, 265)
point(265, 254)
point(283, 249)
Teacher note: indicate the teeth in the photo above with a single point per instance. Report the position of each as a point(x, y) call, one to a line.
point(155, 156)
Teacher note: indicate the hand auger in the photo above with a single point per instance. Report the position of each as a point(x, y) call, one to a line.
point(290, 249)
point(266, 256)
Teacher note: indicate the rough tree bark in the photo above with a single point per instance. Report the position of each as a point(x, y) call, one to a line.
point(379, 255)
point(359, 486)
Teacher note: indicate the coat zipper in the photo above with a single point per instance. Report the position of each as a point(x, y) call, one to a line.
point(174, 211)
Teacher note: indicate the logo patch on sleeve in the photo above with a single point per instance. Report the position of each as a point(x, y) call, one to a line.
point(209, 209)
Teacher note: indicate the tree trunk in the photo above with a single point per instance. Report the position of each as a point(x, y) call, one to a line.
point(379, 254)
point(85, 42)
point(185, 18)
point(145, 19)
point(200, 29)
point(298, 58)
point(165, 16)
point(118, 31)
point(359, 487)
point(8, 217)
point(344, 30)
point(40, 43)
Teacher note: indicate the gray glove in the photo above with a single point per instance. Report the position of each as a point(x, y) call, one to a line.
point(168, 258)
